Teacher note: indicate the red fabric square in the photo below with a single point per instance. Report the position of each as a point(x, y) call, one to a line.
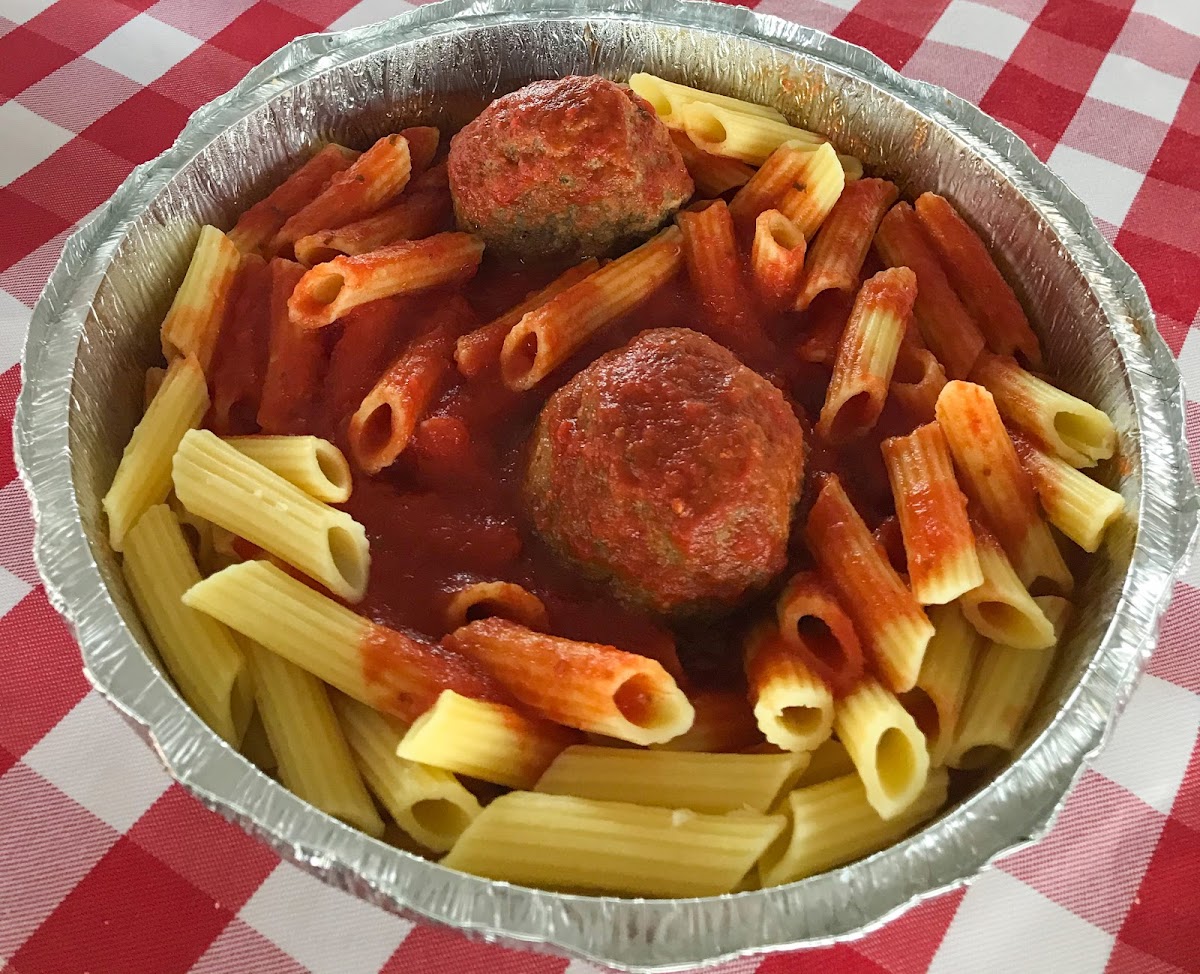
point(1164, 918)
point(24, 227)
point(1166, 212)
point(1158, 44)
point(43, 673)
point(892, 45)
point(81, 24)
point(1129, 960)
point(182, 833)
point(7, 760)
point(841, 958)
point(1169, 273)
point(1019, 98)
point(201, 76)
point(908, 943)
point(130, 913)
point(48, 843)
point(430, 948)
point(78, 93)
point(323, 12)
point(1094, 24)
point(913, 17)
point(140, 5)
point(10, 385)
point(25, 279)
point(140, 127)
point(55, 183)
point(1186, 809)
point(1066, 63)
point(26, 57)
point(1178, 159)
point(260, 31)
point(1111, 132)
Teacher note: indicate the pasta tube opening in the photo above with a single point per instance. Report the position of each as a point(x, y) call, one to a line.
point(440, 815)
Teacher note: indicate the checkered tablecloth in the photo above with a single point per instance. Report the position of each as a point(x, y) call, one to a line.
point(106, 866)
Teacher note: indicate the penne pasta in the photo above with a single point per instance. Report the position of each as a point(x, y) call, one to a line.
point(867, 354)
point(193, 321)
point(783, 170)
point(818, 630)
point(383, 424)
point(917, 381)
point(428, 803)
point(240, 360)
point(413, 217)
point(710, 783)
point(887, 617)
point(724, 722)
point(577, 845)
point(832, 823)
point(836, 256)
point(977, 280)
point(259, 224)
point(944, 323)
point(1004, 688)
point(154, 380)
point(812, 196)
point(506, 600)
point(716, 274)
point(886, 746)
point(314, 465)
point(668, 99)
point(380, 667)
point(938, 544)
point(1067, 426)
point(992, 477)
point(1001, 608)
point(485, 740)
point(314, 760)
point(197, 533)
point(793, 706)
point(257, 749)
point(1073, 502)
point(423, 142)
point(217, 482)
point(828, 760)
point(327, 291)
point(295, 360)
point(547, 336)
point(712, 176)
point(750, 138)
point(936, 702)
point(371, 337)
point(589, 686)
point(200, 654)
point(824, 324)
point(478, 350)
point(370, 182)
point(776, 258)
point(143, 476)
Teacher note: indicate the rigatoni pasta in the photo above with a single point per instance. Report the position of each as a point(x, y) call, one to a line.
point(792, 704)
point(311, 463)
point(193, 321)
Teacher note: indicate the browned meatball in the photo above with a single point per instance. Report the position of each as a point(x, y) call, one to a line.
point(573, 167)
point(670, 470)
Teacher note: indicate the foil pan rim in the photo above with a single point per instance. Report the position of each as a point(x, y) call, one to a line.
point(497, 911)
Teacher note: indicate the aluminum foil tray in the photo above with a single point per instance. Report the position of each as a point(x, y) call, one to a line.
point(95, 330)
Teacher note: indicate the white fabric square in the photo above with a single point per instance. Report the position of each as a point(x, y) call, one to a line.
point(1106, 188)
point(96, 758)
point(979, 28)
point(1016, 928)
point(369, 12)
point(1138, 87)
point(28, 140)
point(325, 929)
point(19, 11)
point(14, 323)
point(1150, 747)
point(143, 49)
point(1184, 14)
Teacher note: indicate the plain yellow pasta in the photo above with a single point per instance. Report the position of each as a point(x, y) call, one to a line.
point(485, 740)
point(668, 99)
point(155, 375)
point(833, 823)
point(1002, 608)
point(430, 804)
point(217, 482)
point(814, 193)
point(314, 760)
point(193, 321)
point(712, 783)
point(200, 654)
point(886, 746)
point(829, 760)
point(311, 463)
point(256, 748)
point(143, 476)
point(750, 138)
point(197, 532)
point(1004, 688)
point(1078, 506)
point(577, 845)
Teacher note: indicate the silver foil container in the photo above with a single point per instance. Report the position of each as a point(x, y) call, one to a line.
point(95, 330)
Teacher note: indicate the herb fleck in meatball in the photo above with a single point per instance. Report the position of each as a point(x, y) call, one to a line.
point(669, 470)
point(572, 168)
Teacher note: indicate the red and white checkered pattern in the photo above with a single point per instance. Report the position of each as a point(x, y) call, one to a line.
point(106, 866)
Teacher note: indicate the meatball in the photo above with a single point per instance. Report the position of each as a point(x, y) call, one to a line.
point(669, 470)
point(573, 168)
